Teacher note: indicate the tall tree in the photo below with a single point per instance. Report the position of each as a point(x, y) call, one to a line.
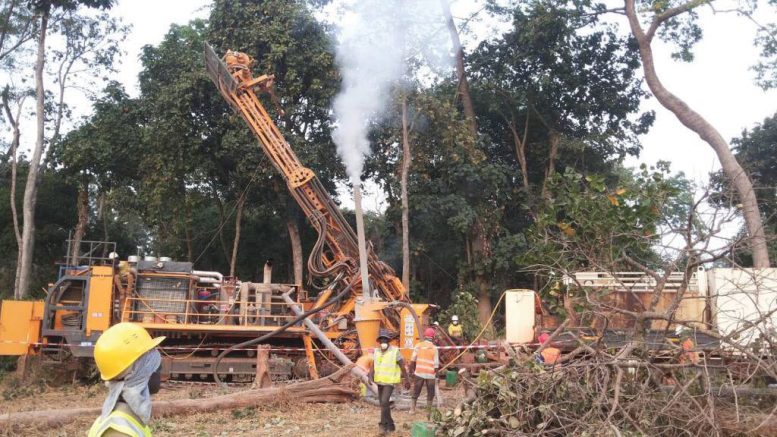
point(756, 150)
point(43, 10)
point(101, 154)
point(677, 21)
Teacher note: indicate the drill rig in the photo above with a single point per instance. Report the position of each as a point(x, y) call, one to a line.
point(205, 315)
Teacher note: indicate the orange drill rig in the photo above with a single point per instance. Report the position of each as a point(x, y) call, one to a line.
point(210, 319)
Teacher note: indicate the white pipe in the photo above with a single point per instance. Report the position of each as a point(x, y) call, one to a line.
point(216, 275)
point(357, 202)
point(267, 279)
point(355, 370)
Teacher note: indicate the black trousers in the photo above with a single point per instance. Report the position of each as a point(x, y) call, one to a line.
point(384, 396)
point(419, 385)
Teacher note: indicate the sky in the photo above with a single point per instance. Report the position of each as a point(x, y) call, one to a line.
point(718, 84)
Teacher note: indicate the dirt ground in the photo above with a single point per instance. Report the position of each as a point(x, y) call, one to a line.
point(357, 418)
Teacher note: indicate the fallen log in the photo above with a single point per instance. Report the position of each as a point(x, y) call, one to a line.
point(327, 389)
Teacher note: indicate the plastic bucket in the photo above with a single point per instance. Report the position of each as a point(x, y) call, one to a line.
point(451, 378)
point(422, 429)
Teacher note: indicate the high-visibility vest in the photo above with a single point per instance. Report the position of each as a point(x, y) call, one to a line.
point(386, 367)
point(424, 363)
point(121, 422)
point(455, 331)
point(550, 355)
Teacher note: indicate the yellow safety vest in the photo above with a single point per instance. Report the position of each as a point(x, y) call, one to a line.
point(386, 367)
point(424, 362)
point(121, 422)
point(455, 331)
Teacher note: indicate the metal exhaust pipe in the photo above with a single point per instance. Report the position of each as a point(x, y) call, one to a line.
point(267, 272)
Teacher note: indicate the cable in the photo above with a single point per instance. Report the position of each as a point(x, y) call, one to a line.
point(325, 357)
point(277, 331)
point(187, 356)
point(493, 313)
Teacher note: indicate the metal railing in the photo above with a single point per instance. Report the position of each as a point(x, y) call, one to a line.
point(205, 312)
point(637, 282)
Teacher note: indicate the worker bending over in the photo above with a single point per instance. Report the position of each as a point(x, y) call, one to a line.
point(128, 361)
point(550, 355)
point(455, 331)
point(388, 370)
point(423, 365)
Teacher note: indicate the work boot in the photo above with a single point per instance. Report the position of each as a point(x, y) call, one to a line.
point(412, 406)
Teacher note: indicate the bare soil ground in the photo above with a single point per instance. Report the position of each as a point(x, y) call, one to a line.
point(357, 418)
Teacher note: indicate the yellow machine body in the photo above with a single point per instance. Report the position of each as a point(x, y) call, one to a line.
point(19, 326)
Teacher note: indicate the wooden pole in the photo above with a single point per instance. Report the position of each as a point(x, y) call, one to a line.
point(263, 379)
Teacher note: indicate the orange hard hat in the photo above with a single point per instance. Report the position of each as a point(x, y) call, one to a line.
point(429, 333)
point(543, 337)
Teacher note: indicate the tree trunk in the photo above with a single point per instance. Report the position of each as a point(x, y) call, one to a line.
point(236, 242)
point(14, 122)
point(187, 227)
point(296, 247)
point(82, 206)
point(405, 169)
point(466, 98)
point(698, 124)
point(520, 149)
point(553, 140)
point(327, 389)
point(481, 249)
point(31, 188)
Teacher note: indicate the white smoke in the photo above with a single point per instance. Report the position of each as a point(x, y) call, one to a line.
point(375, 45)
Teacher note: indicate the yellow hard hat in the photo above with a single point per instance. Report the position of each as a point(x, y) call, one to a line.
point(119, 346)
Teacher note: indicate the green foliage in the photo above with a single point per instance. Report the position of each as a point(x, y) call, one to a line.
point(591, 221)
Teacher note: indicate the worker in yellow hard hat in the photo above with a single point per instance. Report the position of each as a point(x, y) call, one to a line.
point(129, 363)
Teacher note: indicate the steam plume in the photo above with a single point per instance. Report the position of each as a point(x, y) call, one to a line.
point(374, 47)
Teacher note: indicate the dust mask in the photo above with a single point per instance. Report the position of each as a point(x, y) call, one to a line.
point(384, 346)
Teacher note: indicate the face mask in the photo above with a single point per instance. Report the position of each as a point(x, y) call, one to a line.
point(384, 346)
point(455, 322)
point(135, 387)
point(155, 382)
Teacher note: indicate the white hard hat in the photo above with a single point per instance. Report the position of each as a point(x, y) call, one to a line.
point(455, 319)
point(113, 255)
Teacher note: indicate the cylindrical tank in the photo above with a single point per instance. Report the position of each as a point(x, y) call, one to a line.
point(150, 258)
point(519, 316)
point(165, 259)
point(133, 259)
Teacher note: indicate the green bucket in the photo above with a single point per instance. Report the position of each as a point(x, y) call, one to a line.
point(422, 429)
point(451, 378)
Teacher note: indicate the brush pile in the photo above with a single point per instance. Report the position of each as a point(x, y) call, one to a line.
point(594, 398)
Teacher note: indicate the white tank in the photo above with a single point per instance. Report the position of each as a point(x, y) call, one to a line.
point(165, 259)
point(133, 259)
point(149, 258)
point(519, 316)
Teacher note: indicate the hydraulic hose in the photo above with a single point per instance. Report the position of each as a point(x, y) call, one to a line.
point(283, 328)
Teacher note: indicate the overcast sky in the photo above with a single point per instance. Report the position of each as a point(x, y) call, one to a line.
point(718, 84)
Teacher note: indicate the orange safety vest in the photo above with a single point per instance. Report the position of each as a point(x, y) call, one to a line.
point(550, 355)
point(689, 355)
point(424, 363)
